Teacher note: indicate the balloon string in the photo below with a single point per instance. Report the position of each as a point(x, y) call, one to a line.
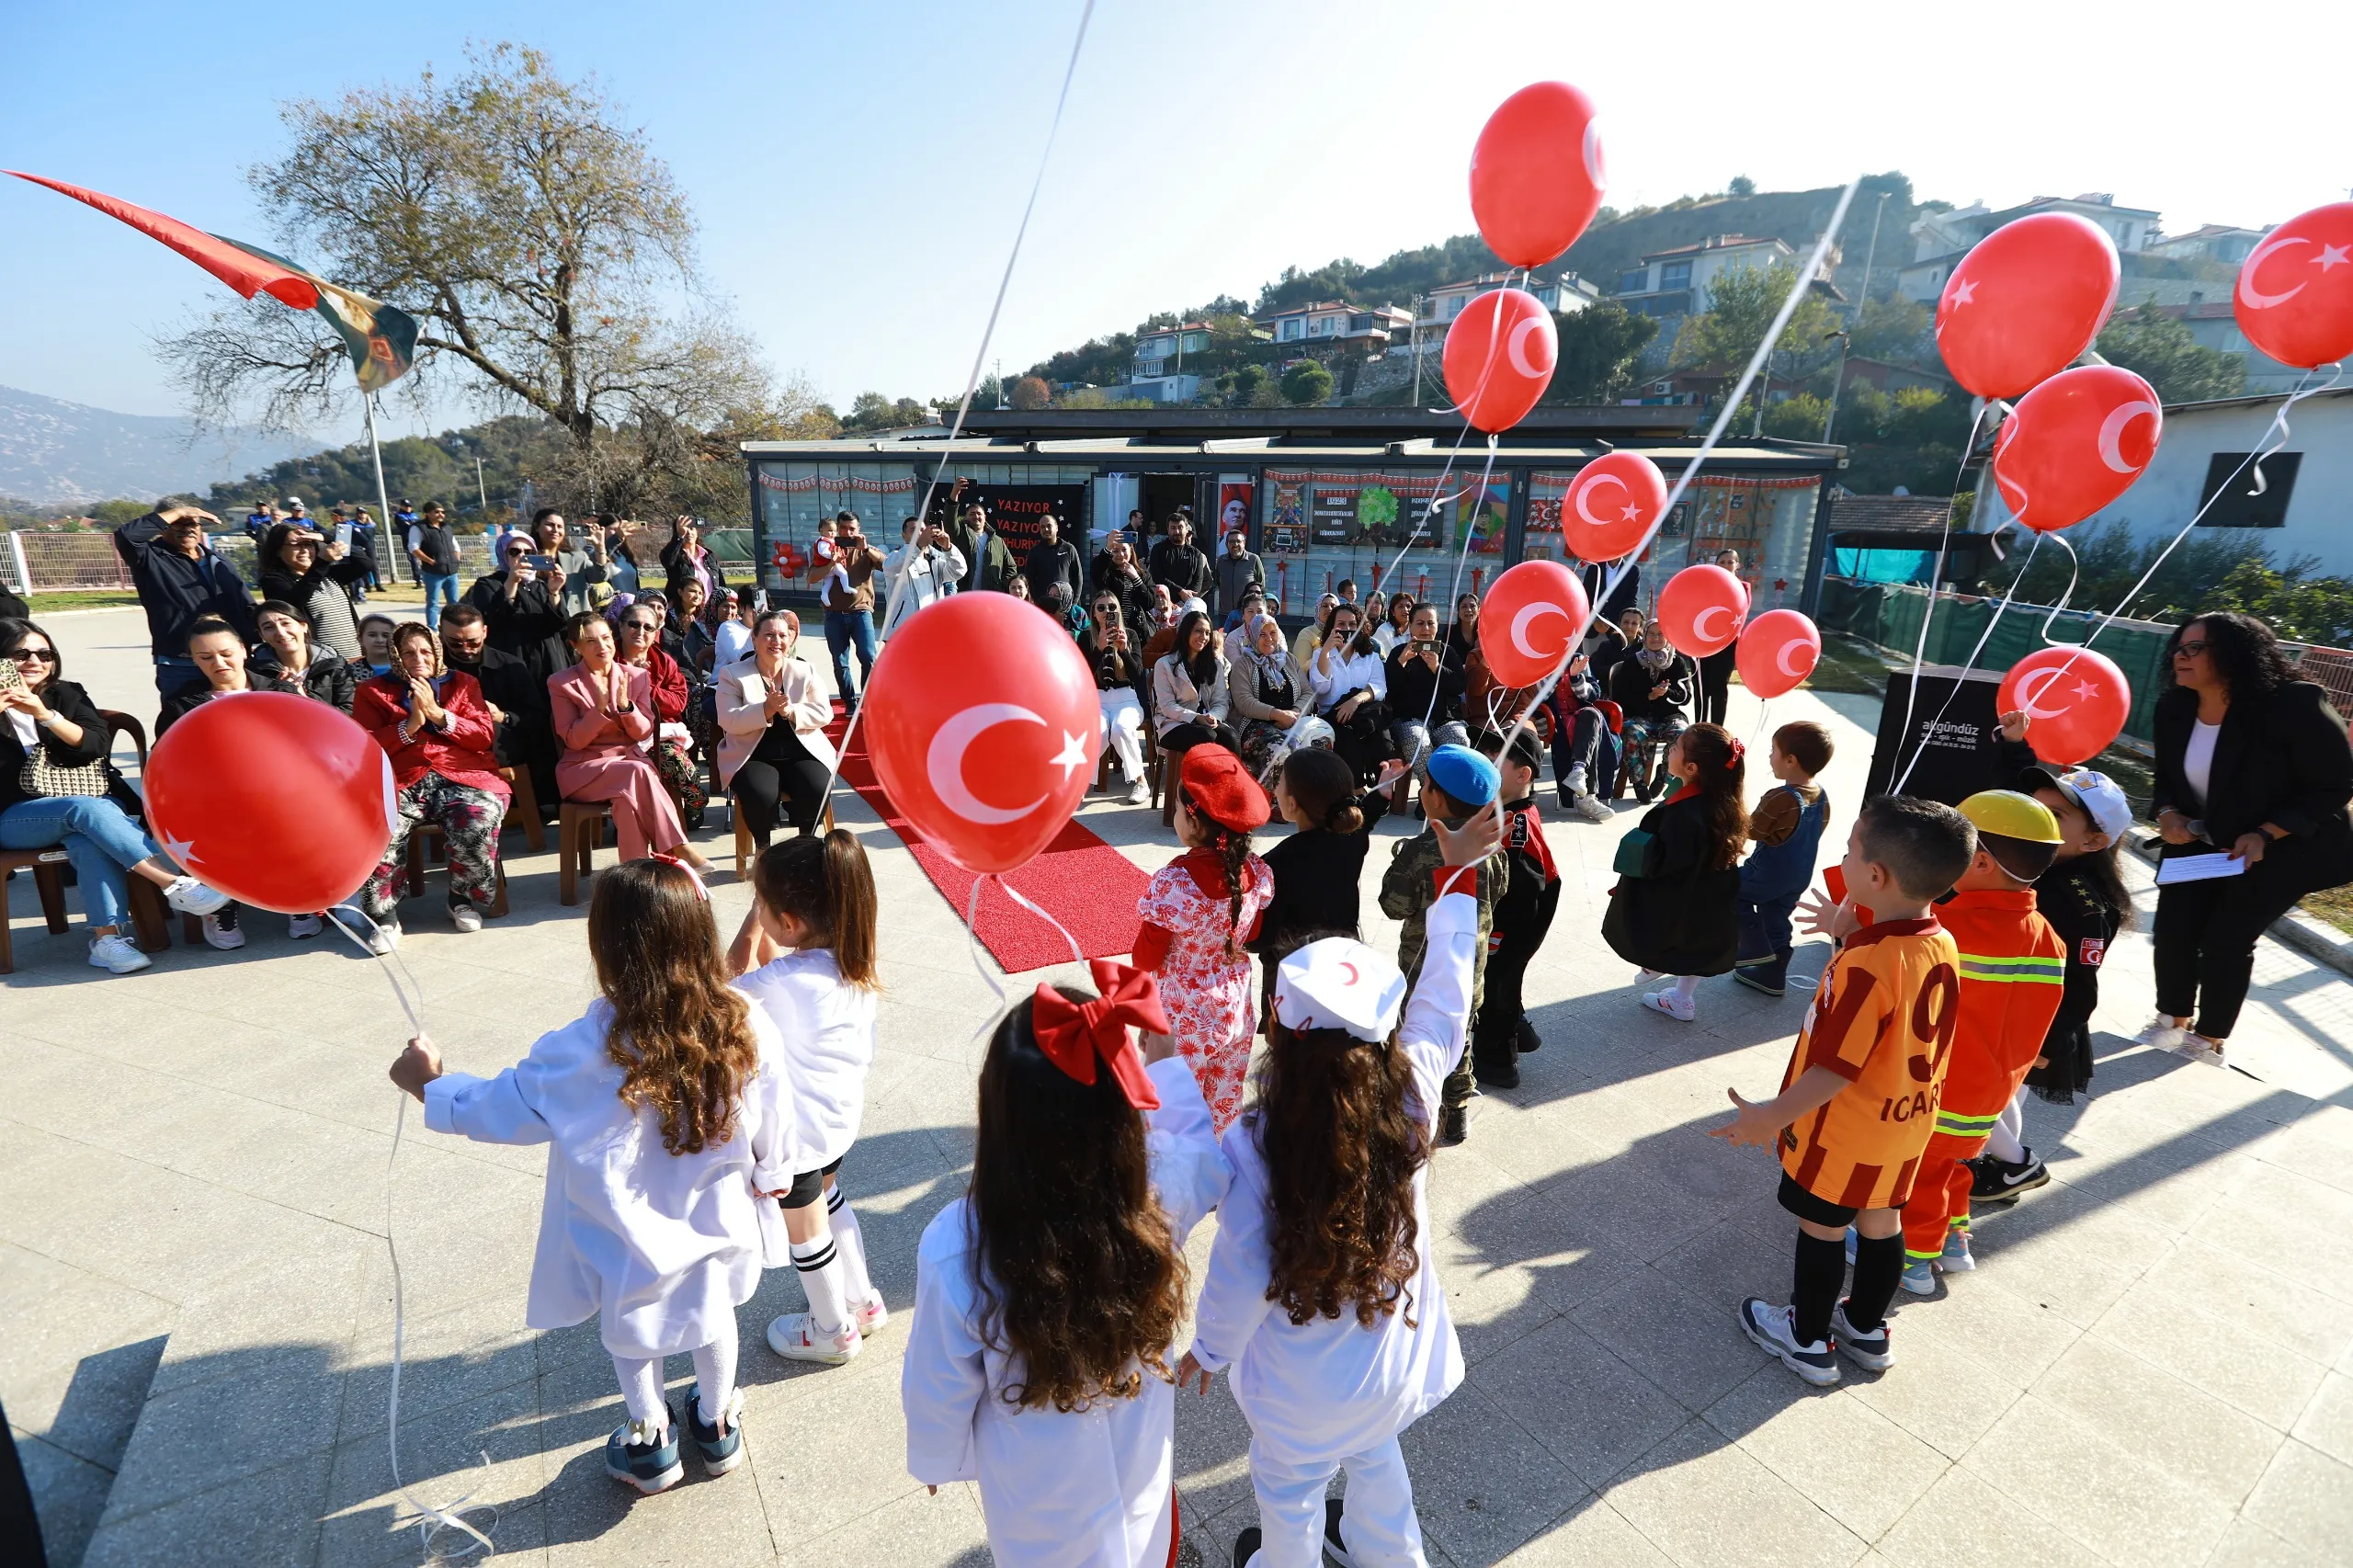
point(1454, 589)
point(972, 946)
point(972, 384)
point(1930, 728)
point(1936, 575)
point(2075, 577)
point(432, 1522)
point(1691, 468)
point(1013, 894)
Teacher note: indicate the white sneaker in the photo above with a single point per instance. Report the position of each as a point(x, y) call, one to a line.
point(220, 929)
point(387, 936)
point(303, 928)
point(1139, 793)
point(191, 897)
point(1574, 783)
point(115, 952)
point(873, 1317)
point(2198, 1048)
point(2162, 1033)
point(1591, 808)
point(794, 1336)
point(1675, 1005)
point(465, 917)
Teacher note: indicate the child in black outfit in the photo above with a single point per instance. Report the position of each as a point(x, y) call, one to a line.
point(1676, 910)
point(1318, 867)
point(1523, 915)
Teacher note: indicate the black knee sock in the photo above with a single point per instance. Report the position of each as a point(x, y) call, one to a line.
point(1821, 1268)
point(1878, 1265)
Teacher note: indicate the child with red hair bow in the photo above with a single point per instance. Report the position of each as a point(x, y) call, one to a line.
point(1048, 1297)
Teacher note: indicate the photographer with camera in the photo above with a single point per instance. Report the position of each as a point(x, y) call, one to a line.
point(1425, 685)
point(848, 599)
point(930, 565)
point(1111, 649)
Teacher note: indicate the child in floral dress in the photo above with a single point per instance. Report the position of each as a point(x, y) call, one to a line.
point(1199, 912)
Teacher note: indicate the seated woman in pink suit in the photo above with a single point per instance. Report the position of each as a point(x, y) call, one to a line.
point(604, 717)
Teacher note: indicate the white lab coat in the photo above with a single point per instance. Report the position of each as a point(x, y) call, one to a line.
point(936, 574)
point(1086, 1489)
point(827, 1027)
point(1324, 1390)
point(659, 1247)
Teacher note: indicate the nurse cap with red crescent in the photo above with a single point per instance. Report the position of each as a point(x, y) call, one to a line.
point(1339, 983)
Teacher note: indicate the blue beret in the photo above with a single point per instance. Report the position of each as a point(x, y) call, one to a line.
point(1464, 774)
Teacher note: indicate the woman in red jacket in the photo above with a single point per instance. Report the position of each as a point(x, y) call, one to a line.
point(641, 646)
point(433, 723)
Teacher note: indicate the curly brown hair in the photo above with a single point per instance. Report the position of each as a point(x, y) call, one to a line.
point(681, 1034)
point(1722, 776)
point(1342, 1151)
point(1081, 1276)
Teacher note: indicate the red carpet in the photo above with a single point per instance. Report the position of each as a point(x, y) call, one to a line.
point(1079, 879)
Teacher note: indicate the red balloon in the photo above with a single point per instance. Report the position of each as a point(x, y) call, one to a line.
point(279, 801)
point(2025, 302)
point(2076, 443)
point(1701, 608)
point(2295, 294)
point(1777, 651)
point(1528, 618)
point(1499, 356)
point(1536, 173)
point(2076, 700)
point(983, 724)
point(1611, 505)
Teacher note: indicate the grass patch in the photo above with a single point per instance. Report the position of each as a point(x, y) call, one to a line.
point(2332, 906)
point(96, 598)
point(1848, 666)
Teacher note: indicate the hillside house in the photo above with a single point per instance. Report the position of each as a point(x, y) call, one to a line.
point(1940, 239)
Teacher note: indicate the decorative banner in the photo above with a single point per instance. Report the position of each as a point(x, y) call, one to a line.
point(809, 482)
point(1017, 512)
point(1234, 504)
point(1287, 522)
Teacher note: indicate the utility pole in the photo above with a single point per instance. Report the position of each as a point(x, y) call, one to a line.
point(1846, 339)
point(1416, 330)
point(481, 491)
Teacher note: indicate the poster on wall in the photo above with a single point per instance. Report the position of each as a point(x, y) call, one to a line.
point(1286, 523)
point(1235, 501)
point(1336, 517)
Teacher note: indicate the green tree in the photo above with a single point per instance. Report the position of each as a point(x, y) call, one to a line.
point(1741, 186)
point(1799, 417)
point(1895, 329)
point(2159, 349)
point(1307, 383)
point(990, 393)
point(1599, 348)
point(2295, 600)
point(1241, 386)
point(1741, 305)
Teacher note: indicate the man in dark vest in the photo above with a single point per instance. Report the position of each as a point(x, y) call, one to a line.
point(434, 550)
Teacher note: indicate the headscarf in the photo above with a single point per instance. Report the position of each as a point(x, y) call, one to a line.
point(1269, 668)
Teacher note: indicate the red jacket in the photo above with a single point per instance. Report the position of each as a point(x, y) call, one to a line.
point(2013, 975)
point(670, 688)
point(460, 752)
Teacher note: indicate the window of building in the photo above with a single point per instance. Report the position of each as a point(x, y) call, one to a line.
point(2239, 507)
point(1674, 275)
point(1635, 282)
point(1291, 328)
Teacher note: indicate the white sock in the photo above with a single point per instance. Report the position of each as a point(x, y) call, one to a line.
point(641, 1390)
point(1687, 987)
point(819, 1262)
point(851, 1242)
point(2007, 1141)
point(715, 1373)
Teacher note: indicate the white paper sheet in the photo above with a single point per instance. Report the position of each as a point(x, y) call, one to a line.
point(2198, 869)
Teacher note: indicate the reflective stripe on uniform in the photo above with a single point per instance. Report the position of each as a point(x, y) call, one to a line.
point(1953, 1124)
point(2030, 970)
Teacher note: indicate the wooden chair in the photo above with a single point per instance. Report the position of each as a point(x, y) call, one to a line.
point(1163, 786)
point(746, 846)
point(523, 808)
point(48, 868)
point(431, 832)
point(580, 828)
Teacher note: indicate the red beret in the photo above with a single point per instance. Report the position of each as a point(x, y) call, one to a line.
point(1221, 790)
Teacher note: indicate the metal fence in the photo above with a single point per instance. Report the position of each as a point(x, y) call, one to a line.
point(37, 561)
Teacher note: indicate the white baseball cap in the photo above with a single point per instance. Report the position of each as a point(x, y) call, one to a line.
point(2093, 793)
point(1339, 983)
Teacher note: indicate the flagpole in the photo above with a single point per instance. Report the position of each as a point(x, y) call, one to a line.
point(383, 506)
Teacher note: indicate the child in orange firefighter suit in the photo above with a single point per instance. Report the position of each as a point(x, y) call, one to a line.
point(2013, 973)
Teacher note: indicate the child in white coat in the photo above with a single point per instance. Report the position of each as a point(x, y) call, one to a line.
point(1323, 1296)
point(1047, 1298)
point(668, 1118)
point(811, 934)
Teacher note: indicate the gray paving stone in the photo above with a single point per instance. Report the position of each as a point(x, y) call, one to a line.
point(2327, 1423)
point(2159, 1419)
point(1482, 1484)
point(270, 1516)
point(1589, 1408)
point(2077, 1480)
point(69, 1495)
point(2303, 1500)
point(1705, 1502)
point(1962, 1519)
point(1855, 1464)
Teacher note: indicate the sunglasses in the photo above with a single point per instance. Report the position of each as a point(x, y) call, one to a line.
point(645, 626)
point(32, 655)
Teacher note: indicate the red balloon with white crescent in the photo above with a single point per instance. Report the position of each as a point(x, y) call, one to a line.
point(1499, 356)
point(2076, 443)
point(984, 727)
point(2025, 302)
point(1611, 505)
point(1700, 608)
point(1777, 651)
point(1537, 176)
point(1526, 619)
point(2076, 700)
point(2294, 299)
point(279, 801)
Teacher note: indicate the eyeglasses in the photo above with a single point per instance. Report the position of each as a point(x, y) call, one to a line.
point(644, 626)
point(32, 655)
point(2191, 650)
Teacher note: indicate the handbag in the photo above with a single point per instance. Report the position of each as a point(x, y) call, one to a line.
point(44, 779)
point(1634, 853)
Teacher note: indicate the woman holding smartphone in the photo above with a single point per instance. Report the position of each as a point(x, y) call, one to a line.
point(1351, 689)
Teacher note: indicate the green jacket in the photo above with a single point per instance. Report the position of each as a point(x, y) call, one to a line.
point(1410, 886)
point(993, 569)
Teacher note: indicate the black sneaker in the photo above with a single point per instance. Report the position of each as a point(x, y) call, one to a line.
point(1495, 1074)
point(648, 1462)
point(1870, 1351)
point(1527, 1040)
point(2001, 1181)
point(1245, 1546)
point(1770, 1327)
point(1756, 985)
point(722, 1445)
point(1453, 1126)
point(1333, 1547)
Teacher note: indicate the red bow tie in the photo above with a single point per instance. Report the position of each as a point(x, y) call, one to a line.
point(1072, 1034)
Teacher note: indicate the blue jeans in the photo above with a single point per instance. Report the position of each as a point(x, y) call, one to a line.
point(438, 585)
point(846, 629)
point(100, 839)
point(175, 673)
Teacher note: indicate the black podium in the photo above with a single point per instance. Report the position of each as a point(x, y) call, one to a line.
point(1952, 729)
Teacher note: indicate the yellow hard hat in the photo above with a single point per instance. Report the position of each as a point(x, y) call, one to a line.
point(2006, 813)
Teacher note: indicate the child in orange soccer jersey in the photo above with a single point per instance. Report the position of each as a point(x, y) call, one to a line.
point(1859, 1097)
point(2013, 976)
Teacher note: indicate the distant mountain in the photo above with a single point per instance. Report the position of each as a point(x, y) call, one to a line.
point(53, 451)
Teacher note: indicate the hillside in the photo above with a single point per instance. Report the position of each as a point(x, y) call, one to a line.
point(53, 452)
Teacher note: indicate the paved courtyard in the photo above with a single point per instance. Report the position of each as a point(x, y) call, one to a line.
point(2153, 1364)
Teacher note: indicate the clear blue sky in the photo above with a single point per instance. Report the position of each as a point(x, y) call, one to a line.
point(858, 170)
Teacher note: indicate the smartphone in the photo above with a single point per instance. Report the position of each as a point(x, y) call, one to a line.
point(343, 535)
point(11, 679)
point(540, 562)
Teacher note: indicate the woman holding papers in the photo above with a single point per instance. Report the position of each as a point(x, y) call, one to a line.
point(773, 753)
point(2255, 768)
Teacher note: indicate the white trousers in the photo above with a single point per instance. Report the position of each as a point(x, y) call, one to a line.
point(2006, 1143)
point(641, 1380)
point(1378, 1526)
point(1123, 730)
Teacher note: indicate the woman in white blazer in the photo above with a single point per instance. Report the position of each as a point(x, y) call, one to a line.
point(773, 753)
